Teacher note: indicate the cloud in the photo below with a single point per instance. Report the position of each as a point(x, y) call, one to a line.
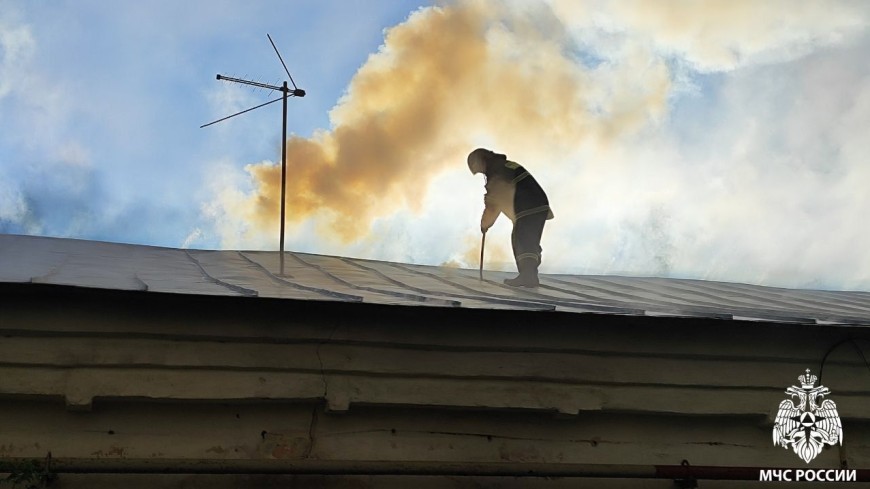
point(227, 188)
point(86, 140)
point(720, 35)
point(17, 46)
point(15, 215)
point(48, 178)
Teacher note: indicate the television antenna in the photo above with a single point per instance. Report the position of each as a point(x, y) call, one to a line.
point(286, 92)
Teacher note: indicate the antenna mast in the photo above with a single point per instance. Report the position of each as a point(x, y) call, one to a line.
point(285, 93)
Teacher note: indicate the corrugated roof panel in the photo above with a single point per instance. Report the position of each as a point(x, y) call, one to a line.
point(769, 300)
point(425, 282)
point(682, 297)
point(297, 275)
point(396, 279)
point(22, 257)
point(858, 302)
point(235, 269)
point(151, 265)
point(560, 298)
point(648, 299)
point(602, 295)
point(317, 277)
point(346, 272)
point(107, 265)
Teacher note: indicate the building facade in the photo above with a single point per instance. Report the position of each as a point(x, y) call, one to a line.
point(135, 366)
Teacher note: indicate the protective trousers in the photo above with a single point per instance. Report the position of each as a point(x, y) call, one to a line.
point(526, 243)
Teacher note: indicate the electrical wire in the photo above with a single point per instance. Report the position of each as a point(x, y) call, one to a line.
point(854, 342)
point(242, 112)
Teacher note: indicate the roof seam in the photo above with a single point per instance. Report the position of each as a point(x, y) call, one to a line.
point(282, 281)
point(571, 303)
point(759, 313)
point(235, 288)
point(413, 297)
point(540, 298)
point(785, 303)
point(483, 298)
point(841, 297)
point(649, 307)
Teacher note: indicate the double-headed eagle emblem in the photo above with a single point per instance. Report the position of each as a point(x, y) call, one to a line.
point(807, 425)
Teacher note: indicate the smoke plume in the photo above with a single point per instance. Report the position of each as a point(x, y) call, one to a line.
point(672, 138)
point(443, 78)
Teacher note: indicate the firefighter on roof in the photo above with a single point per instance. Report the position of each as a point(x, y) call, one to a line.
point(512, 191)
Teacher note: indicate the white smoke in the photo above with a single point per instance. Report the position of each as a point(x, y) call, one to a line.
point(722, 140)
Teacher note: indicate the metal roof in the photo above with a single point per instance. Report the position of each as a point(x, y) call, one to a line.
point(93, 264)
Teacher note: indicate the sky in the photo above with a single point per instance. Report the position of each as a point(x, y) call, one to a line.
point(712, 139)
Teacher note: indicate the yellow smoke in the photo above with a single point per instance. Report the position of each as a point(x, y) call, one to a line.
point(444, 79)
point(388, 138)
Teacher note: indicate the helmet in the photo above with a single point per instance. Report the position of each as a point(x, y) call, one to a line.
point(477, 160)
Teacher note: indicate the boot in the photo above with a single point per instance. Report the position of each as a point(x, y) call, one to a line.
point(528, 276)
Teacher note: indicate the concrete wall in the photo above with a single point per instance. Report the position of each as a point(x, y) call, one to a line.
point(118, 382)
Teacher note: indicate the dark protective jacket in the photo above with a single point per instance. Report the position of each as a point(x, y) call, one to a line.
point(512, 191)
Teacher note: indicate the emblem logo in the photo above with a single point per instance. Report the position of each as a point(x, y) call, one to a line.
point(807, 426)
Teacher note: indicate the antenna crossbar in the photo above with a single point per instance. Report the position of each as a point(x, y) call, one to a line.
point(295, 92)
point(248, 82)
